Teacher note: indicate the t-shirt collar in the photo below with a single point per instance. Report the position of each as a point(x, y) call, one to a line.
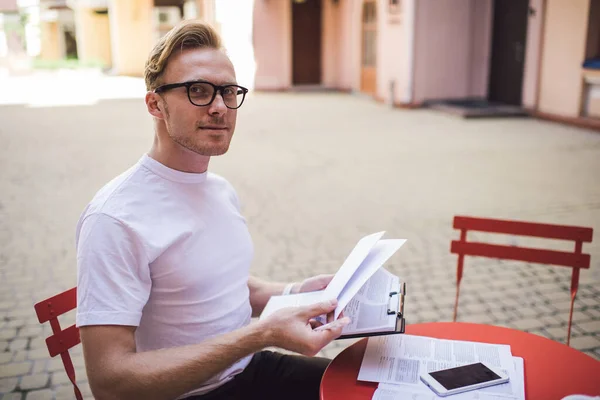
point(171, 174)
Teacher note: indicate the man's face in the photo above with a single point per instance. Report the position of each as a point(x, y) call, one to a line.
point(205, 130)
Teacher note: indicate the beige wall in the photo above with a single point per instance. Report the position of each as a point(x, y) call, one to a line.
point(131, 26)
point(93, 36)
point(391, 52)
point(50, 46)
point(272, 44)
point(564, 39)
point(532, 54)
point(331, 45)
point(340, 51)
point(452, 60)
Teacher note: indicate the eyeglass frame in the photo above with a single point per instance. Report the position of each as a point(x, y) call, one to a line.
point(216, 89)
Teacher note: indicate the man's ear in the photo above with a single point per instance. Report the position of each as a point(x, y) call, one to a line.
point(154, 106)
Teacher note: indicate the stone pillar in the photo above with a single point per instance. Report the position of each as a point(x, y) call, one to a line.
point(50, 46)
point(93, 36)
point(132, 35)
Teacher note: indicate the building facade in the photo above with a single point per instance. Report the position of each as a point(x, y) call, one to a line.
point(411, 52)
point(116, 34)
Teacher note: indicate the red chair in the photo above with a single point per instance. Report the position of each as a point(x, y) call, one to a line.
point(61, 340)
point(575, 260)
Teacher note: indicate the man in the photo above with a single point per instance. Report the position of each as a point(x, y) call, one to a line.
point(163, 252)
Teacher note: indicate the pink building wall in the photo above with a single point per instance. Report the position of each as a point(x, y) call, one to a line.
point(272, 44)
point(340, 41)
point(564, 45)
point(393, 52)
point(453, 68)
point(532, 54)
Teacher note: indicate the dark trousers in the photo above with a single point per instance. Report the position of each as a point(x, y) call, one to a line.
point(273, 376)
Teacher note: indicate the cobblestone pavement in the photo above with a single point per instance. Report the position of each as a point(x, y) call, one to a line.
point(315, 172)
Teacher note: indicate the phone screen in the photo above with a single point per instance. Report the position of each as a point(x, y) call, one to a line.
point(466, 375)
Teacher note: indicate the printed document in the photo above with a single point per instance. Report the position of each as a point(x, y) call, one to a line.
point(367, 257)
point(512, 390)
point(401, 359)
point(368, 309)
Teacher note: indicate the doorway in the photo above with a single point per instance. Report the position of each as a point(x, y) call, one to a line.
point(306, 42)
point(368, 63)
point(508, 51)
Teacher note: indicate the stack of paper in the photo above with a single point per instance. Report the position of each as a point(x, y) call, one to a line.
point(397, 362)
point(363, 289)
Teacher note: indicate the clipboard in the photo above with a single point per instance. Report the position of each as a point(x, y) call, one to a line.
point(395, 306)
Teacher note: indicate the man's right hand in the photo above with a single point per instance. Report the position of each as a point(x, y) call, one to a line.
point(292, 328)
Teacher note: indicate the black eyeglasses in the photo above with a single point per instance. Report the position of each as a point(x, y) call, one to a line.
point(203, 93)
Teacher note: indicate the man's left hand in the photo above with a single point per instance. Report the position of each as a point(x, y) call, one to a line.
point(313, 284)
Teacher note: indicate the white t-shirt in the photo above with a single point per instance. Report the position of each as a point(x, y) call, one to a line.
point(168, 252)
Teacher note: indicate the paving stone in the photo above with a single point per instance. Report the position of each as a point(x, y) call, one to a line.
point(8, 384)
point(585, 342)
point(65, 392)
point(29, 382)
point(557, 333)
point(30, 331)
point(44, 394)
point(6, 357)
point(527, 324)
point(20, 355)
point(39, 366)
point(7, 305)
point(55, 364)
point(14, 369)
point(3, 345)
point(38, 354)
point(7, 334)
point(551, 320)
point(12, 396)
point(37, 343)
point(592, 312)
point(527, 312)
point(578, 317)
point(18, 344)
point(589, 327)
point(16, 323)
point(590, 302)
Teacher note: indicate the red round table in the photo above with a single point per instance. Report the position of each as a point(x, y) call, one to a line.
point(552, 370)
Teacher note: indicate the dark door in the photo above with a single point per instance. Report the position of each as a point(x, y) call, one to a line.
point(508, 51)
point(306, 42)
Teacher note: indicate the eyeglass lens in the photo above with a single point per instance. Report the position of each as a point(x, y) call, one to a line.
point(202, 93)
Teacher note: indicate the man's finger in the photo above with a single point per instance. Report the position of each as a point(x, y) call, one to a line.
point(321, 308)
point(314, 323)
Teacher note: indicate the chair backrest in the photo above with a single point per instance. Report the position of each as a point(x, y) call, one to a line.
point(61, 340)
point(574, 260)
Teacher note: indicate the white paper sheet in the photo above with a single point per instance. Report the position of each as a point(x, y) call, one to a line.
point(401, 359)
point(364, 260)
point(368, 308)
point(293, 300)
point(387, 391)
point(378, 255)
point(351, 264)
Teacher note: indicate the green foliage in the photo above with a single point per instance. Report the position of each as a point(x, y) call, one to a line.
point(69, 63)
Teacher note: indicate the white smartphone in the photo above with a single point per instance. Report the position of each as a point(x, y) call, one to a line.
point(450, 381)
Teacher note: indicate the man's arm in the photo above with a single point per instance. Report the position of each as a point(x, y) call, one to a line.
point(261, 291)
point(116, 371)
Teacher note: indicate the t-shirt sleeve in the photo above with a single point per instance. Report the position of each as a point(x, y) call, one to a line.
point(113, 275)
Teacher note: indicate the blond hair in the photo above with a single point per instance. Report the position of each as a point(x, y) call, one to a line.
point(186, 35)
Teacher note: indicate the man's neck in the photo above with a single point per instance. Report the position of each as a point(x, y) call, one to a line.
point(179, 158)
